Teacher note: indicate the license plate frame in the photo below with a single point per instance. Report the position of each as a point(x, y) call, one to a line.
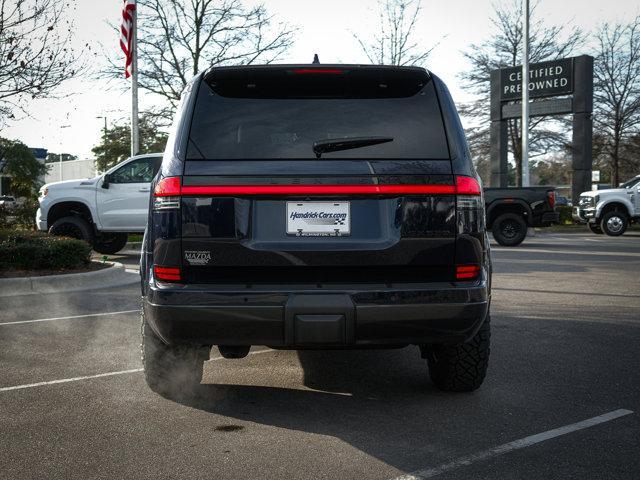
point(318, 218)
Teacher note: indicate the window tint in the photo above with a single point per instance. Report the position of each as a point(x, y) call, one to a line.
point(225, 127)
point(139, 171)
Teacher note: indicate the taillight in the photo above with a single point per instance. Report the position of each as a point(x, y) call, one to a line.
point(551, 197)
point(166, 195)
point(467, 186)
point(467, 272)
point(170, 274)
point(469, 205)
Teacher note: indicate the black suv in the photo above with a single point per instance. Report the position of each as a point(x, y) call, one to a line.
point(316, 207)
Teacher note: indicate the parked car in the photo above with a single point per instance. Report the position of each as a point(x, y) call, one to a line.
point(610, 211)
point(510, 211)
point(104, 210)
point(322, 207)
point(562, 201)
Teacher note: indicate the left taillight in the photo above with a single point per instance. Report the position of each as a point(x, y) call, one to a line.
point(166, 194)
point(168, 274)
point(467, 272)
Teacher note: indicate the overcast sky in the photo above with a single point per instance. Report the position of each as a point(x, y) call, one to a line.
point(325, 28)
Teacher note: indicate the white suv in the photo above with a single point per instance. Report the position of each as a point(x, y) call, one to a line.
point(101, 210)
point(610, 211)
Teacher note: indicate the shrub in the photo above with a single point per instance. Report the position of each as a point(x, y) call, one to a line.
point(565, 215)
point(22, 215)
point(24, 250)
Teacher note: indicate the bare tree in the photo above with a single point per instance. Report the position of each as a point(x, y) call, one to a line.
point(394, 43)
point(35, 52)
point(178, 38)
point(617, 89)
point(504, 49)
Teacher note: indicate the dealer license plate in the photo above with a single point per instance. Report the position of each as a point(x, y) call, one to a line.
point(318, 219)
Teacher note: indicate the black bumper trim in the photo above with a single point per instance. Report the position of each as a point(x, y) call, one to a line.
point(356, 316)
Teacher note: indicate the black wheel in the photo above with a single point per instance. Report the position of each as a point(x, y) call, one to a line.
point(595, 228)
point(460, 368)
point(509, 229)
point(614, 224)
point(74, 227)
point(171, 370)
point(110, 243)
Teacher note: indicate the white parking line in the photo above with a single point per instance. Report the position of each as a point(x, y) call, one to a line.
point(563, 252)
point(98, 375)
point(70, 318)
point(515, 445)
point(67, 380)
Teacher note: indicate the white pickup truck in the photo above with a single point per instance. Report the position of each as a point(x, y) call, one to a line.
point(102, 210)
point(610, 211)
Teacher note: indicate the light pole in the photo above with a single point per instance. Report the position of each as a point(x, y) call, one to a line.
point(104, 132)
point(60, 154)
point(525, 93)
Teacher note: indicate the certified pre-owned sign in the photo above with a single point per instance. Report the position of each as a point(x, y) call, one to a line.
point(546, 79)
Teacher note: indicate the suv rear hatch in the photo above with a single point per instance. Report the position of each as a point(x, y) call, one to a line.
point(317, 175)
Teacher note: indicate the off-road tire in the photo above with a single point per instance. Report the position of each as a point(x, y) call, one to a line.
point(614, 223)
point(509, 229)
point(74, 227)
point(110, 243)
point(170, 370)
point(595, 228)
point(461, 368)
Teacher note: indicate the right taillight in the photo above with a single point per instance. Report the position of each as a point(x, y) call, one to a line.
point(166, 194)
point(469, 205)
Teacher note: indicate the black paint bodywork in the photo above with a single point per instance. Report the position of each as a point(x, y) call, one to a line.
point(390, 283)
point(531, 202)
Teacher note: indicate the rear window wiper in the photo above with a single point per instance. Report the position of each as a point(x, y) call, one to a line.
point(336, 144)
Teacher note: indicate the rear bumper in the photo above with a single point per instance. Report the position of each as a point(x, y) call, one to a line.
point(544, 219)
point(550, 217)
point(348, 316)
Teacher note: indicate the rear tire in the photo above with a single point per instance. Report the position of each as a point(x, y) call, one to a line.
point(73, 227)
point(614, 223)
point(110, 243)
point(595, 228)
point(173, 371)
point(509, 229)
point(463, 367)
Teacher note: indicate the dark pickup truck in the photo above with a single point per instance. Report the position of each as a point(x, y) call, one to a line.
point(510, 211)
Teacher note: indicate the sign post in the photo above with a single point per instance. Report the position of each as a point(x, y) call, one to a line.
point(525, 95)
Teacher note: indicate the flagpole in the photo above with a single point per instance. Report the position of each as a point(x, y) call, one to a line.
point(135, 139)
point(525, 94)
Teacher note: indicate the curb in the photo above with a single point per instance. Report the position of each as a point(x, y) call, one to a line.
point(116, 275)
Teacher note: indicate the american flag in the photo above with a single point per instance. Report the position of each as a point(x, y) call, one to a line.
point(126, 33)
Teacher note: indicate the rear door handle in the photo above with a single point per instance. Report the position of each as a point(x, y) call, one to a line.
point(143, 189)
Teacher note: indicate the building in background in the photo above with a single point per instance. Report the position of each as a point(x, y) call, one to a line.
point(71, 170)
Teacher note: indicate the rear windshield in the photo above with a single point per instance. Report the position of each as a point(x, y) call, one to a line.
point(281, 118)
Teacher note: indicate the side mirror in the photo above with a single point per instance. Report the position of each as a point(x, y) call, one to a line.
point(106, 180)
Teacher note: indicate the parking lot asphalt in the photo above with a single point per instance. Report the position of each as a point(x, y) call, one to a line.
point(565, 350)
